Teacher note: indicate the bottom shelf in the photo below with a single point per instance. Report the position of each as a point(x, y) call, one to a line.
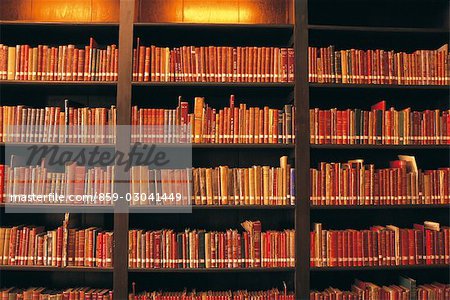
point(375, 268)
point(54, 269)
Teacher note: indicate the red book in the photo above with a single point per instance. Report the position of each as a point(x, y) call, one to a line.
point(284, 65)
point(291, 65)
point(379, 106)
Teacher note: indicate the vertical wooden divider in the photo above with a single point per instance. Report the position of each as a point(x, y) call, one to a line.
point(302, 148)
point(123, 141)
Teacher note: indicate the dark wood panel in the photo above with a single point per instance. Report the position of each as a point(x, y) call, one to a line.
point(160, 11)
point(263, 11)
point(12, 10)
point(60, 11)
point(105, 10)
point(302, 153)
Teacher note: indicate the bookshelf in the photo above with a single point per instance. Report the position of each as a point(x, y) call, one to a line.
point(317, 23)
point(376, 25)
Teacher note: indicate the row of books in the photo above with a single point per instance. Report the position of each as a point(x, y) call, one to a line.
point(379, 126)
point(212, 249)
point(41, 293)
point(60, 63)
point(406, 289)
point(257, 185)
point(378, 66)
point(56, 125)
point(356, 183)
point(273, 294)
point(62, 247)
point(380, 246)
point(39, 185)
point(207, 125)
point(213, 64)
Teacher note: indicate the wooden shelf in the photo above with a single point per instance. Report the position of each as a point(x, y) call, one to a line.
point(380, 207)
point(368, 29)
point(380, 268)
point(225, 26)
point(58, 83)
point(55, 269)
point(59, 24)
point(214, 207)
point(211, 270)
point(376, 86)
point(224, 146)
point(280, 85)
point(66, 145)
point(385, 147)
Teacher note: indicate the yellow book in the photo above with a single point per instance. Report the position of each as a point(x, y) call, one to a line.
point(11, 63)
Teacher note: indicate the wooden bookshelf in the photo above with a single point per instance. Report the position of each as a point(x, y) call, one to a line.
point(311, 22)
point(376, 25)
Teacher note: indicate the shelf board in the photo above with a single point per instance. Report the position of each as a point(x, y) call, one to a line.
point(159, 207)
point(211, 270)
point(377, 86)
point(380, 207)
point(59, 24)
point(285, 85)
point(66, 145)
point(368, 29)
point(57, 83)
point(376, 147)
point(380, 268)
point(213, 207)
point(224, 146)
point(55, 269)
point(162, 145)
point(216, 26)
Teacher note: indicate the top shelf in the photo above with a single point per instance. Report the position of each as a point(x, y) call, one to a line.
point(216, 26)
point(58, 24)
point(218, 34)
point(369, 29)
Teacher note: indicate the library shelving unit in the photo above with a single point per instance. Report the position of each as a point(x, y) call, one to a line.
point(400, 25)
point(55, 23)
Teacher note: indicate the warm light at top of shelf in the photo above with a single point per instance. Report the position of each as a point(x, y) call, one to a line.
point(56, 10)
point(202, 14)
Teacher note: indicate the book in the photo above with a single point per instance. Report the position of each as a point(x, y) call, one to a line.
point(62, 247)
point(77, 185)
point(232, 124)
point(411, 285)
point(222, 185)
point(356, 183)
point(364, 290)
point(380, 126)
point(21, 124)
point(198, 248)
point(379, 66)
point(380, 246)
point(81, 293)
point(213, 64)
point(274, 294)
point(59, 63)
